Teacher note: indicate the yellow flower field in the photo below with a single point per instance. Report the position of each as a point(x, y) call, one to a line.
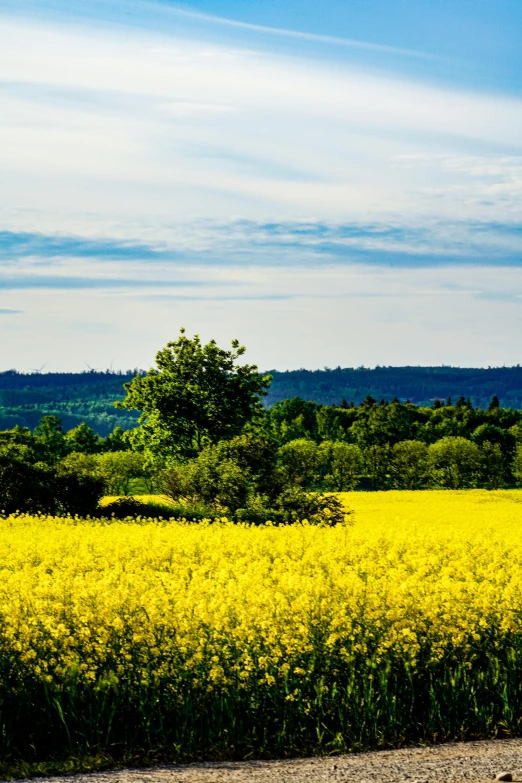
point(223, 640)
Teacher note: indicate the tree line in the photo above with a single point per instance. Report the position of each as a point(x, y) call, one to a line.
point(419, 384)
point(205, 438)
point(88, 396)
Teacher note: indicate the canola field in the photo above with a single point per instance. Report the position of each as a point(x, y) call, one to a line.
point(175, 641)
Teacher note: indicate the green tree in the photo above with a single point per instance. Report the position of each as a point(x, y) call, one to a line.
point(344, 465)
point(215, 481)
point(291, 419)
point(408, 464)
point(377, 460)
point(118, 440)
point(83, 439)
point(493, 467)
point(197, 395)
point(329, 423)
point(385, 424)
point(494, 404)
point(301, 460)
point(454, 463)
point(48, 489)
point(256, 456)
point(50, 439)
point(119, 468)
point(517, 464)
point(77, 461)
point(225, 476)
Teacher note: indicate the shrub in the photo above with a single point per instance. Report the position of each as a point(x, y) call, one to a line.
point(44, 489)
point(122, 508)
point(25, 487)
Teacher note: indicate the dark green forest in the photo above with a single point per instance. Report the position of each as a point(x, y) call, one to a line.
point(421, 385)
point(74, 397)
point(89, 396)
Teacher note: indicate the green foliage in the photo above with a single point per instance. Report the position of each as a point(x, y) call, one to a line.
point(196, 396)
point(118, 440)
point(25, 487)
point(493, 467)
point(73, 397)
point(409, 464)
point(454, 463)
point(427, 386)
point(225, 477)
point(294, 505)
point(41, 488)
point(291, 420)
point(83, 439)
point(86, 464)
point(199, 401)
point(517, 464)
point(301, 460)
point(50, 439)
point(343, 465)
point(241, 478)
point(77, 492)
point(118, 468)
point(377, 460)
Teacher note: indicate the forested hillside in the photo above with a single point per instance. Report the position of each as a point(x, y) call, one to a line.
point(73, 397)
point(421, 385)
point(89, 396)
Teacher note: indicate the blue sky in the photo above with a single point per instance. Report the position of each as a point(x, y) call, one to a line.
point(333, 183)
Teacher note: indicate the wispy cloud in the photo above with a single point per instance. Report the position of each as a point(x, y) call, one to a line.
point(61, 282)
point(26, 245)
point(275, 244)
point(299, 35)
point(295, 195)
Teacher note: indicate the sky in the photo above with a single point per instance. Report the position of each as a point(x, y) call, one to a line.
point(333, 183)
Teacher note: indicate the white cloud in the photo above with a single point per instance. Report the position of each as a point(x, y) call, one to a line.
point(154, 137)
point(145, 124)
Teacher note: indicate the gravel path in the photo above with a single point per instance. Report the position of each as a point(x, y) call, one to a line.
point(466, 761)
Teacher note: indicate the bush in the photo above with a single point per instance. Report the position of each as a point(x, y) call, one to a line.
point(122, 508)
point(77, 492)
point(44, 489)
point(240, 478)
point(295, 505)
point(26, 488)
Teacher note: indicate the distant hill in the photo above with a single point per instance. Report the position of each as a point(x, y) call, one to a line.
point(89, 396)
point(421, 385)
point(74, 397)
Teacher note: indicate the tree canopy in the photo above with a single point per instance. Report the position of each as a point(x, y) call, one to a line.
point(197, 395)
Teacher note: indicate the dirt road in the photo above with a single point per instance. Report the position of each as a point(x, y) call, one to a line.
point(470, 761)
